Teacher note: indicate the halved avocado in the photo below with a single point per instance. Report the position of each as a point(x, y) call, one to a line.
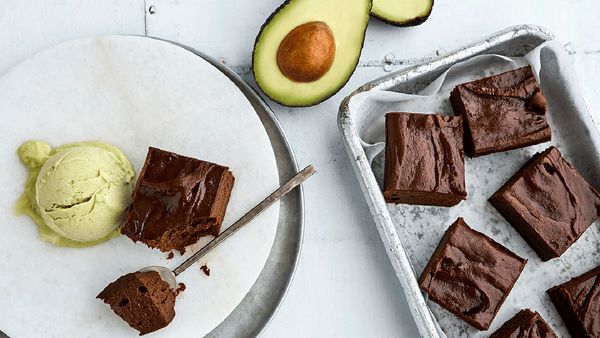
point(308, 49)
point(402, 12)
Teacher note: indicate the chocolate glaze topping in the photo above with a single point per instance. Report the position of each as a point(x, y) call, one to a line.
point(548, 203)
point(177, 200)
point(525, 324)
point(578, 303)
point(424, 161)
point(470, 275)
point(502, 112)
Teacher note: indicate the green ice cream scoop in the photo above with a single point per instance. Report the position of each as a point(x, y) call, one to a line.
point(81, 190)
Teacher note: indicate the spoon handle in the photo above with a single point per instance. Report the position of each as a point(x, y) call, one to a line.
point(250, 215)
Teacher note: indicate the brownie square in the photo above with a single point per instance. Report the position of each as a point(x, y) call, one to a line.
point(525, 324)
point(470, 274)
point(501, 112)
point(578, 303)
point(177, 200)
point(548, 203)
point(424, 162)
point(142, 299)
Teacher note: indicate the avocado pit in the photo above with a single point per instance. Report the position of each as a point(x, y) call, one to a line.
point(307, 52)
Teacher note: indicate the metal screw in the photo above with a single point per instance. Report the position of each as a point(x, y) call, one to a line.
point(388, 62)
point(152, 9)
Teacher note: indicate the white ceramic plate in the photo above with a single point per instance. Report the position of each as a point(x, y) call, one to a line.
point(133, 92)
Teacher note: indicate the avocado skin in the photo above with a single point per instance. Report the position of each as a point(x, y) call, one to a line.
point(410, 23)
point(342, 84)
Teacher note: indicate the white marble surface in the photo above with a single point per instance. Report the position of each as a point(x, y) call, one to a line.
point(344, 286)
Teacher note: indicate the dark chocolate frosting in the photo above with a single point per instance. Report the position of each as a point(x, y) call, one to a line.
point(502, 112)
point(525, 324)
point(174, 192)
point(182, 195)
point(554, 203)
point(578, 302)
point(470, 274)
point(585, 298)
point(424, 154)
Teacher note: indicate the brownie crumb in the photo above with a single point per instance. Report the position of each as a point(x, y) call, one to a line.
point(205, 269)
point(179, 289)
point(170, 255)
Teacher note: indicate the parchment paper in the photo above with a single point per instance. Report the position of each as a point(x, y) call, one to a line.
point(133, 92)
point(422, 227)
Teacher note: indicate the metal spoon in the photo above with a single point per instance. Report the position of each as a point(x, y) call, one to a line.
point(171, 276)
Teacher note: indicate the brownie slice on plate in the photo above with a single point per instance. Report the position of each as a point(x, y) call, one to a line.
point(177, 200)
point(470, 274)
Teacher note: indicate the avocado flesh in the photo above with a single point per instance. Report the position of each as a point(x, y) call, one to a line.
point(347, 19)
point(402, 12)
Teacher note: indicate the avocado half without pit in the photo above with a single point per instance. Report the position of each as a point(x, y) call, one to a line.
point(308, 49)
point(402, 12)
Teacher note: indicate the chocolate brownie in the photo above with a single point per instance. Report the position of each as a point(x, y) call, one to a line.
point(525, 324)
point(578, 303)
point(177, 200)
point(548, 203)
point(470, 274)
point(501, 112)
point(424, 162)
point(142, 299)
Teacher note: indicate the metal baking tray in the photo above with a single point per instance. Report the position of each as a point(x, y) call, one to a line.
point(573, 131)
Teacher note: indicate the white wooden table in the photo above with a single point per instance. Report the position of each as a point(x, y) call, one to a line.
point(344, 285)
